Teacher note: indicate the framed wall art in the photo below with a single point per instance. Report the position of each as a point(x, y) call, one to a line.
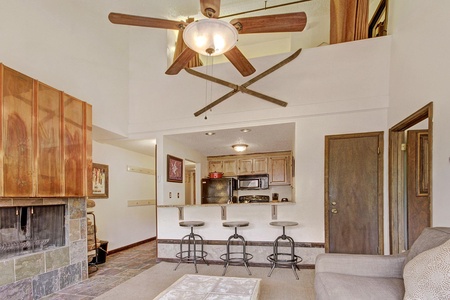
point(99, 181)
point(174, 169)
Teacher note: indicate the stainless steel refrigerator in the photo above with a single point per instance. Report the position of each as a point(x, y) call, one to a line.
point(220, 190)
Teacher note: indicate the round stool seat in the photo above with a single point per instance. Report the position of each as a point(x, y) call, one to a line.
point(191, 223)
point(283, 223)
point(235, 224)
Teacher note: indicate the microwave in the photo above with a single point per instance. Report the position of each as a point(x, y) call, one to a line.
point(253, 182)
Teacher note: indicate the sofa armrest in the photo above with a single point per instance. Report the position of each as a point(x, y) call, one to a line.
point(361, 264)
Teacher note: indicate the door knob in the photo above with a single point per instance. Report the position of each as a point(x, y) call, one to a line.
point(333, 203)
point(334, 211)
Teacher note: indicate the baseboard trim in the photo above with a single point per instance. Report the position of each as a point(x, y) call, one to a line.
point(220, 262)
point(131, 246)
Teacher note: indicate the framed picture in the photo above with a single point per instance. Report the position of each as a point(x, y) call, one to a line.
point(174, 169)
point(99, 181)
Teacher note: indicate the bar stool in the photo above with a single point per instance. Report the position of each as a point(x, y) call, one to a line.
point(239, 257)
point(191, 239)
point(280, 259)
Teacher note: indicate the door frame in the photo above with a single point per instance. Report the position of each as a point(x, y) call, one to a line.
point(397, 228)
point(380, 173)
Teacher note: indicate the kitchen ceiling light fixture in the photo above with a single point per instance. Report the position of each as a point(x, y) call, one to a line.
point(210, 37)
point(240, 147)
point(245, 130)
point(210, 133)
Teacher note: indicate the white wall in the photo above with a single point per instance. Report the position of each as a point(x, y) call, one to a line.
point(331, 90)
point(173, 193)
point(118, 223)
point(71, 47)
point(420, 73)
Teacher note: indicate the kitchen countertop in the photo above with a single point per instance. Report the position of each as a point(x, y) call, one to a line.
point(226, 204)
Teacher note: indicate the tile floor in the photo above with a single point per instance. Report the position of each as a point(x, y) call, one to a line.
point(117, 268)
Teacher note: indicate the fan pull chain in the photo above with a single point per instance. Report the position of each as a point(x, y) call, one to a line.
point(209, 61)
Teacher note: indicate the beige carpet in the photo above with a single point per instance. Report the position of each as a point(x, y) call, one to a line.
point(281, 285)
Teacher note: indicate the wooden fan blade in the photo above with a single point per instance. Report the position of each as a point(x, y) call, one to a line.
point(213, 79)
point(210, 8)
point(124, 19)
point(180, 46)
point(289, 22)
point(240, 62)
point(212, 104)
point(181, 61)
point(262, 96)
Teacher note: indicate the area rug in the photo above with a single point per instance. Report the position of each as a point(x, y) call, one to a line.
point(281, 285)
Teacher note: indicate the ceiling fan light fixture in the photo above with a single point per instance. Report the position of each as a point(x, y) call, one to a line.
point(239, 147)
point(210, 37)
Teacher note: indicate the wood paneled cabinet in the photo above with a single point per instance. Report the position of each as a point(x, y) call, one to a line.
point(277, 164)
point(252, 165)
point(228, 166)
point(280, 169)
point(44, 138)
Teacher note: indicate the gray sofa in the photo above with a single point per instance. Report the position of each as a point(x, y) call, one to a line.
point(357, 276)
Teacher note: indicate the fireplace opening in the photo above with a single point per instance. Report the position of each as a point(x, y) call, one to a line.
point(30, 229)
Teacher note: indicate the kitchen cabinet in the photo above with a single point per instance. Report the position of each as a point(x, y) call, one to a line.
point(277, 164)
point(45, 139)
point(280, 169)
point(227, 166)
point(252, 165)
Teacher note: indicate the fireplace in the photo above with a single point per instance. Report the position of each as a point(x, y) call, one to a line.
point(30, 229)
point(43, 246)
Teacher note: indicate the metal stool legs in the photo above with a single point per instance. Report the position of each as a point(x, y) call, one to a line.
point(284, 259)
point(227, 257)
point(191, 255)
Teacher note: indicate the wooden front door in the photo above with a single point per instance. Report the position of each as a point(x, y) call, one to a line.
point(354, 193)
point(418, 198)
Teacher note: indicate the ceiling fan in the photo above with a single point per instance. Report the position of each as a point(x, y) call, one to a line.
point(288, 22)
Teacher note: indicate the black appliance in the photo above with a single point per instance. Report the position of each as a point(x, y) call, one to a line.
point(254, 198)
point(218, 190)
point(253, 182)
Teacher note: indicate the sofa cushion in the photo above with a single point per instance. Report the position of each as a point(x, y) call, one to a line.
point(427, 276)
point(430, 237)
point(335, 286)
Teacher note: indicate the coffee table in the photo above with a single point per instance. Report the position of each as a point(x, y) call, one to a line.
point(192, 286)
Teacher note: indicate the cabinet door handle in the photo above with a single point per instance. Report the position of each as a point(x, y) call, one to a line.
point(334, 211)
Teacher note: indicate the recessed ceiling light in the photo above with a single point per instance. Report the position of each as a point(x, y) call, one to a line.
point(246, 130)
point(210, 133)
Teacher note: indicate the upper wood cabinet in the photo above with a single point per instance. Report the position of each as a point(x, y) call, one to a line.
point(225, 165)
point(49, 155)
point(74, 155)
point(277, 164)
point(17, 91)
point(45, 139)
point(252, 165)
point(280, 169)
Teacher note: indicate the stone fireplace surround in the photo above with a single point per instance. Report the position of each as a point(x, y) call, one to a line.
point(35, 275)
